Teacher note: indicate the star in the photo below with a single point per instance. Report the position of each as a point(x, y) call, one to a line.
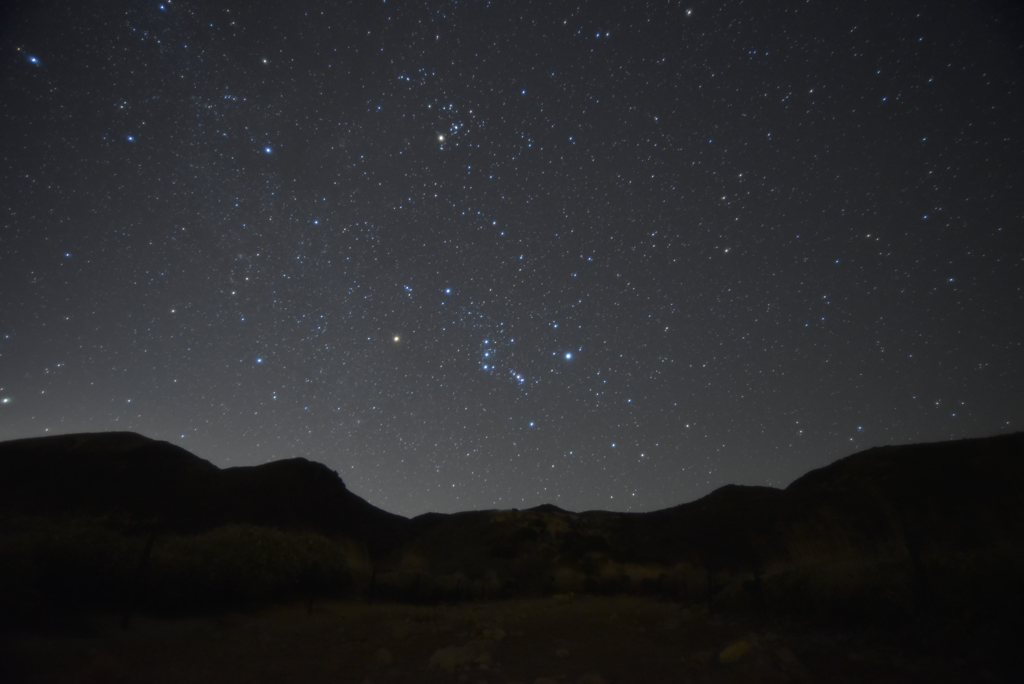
point(511, 192)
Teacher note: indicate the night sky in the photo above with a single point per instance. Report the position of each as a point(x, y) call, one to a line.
point(483, 254)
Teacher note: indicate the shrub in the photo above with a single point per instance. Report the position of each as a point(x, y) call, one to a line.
point(242, 564)
point(61, 565)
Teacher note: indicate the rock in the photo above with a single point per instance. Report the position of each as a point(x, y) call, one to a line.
point(791, 665)
point(734, 651)
point(494, 634)
point(451, 658)
point(694, 612)
point(382, 657)
point(590, 678)
point(785, 655)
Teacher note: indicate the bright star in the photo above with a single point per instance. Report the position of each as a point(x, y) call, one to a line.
point(568, 356)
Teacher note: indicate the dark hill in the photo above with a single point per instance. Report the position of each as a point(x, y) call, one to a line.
point(152, 484)
point(889, 530)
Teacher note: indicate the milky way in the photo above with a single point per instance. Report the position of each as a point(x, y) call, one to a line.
point(496, 254)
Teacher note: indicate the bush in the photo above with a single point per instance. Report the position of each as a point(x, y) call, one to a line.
point(62, 565)
point(50, 565)
point(238, 565)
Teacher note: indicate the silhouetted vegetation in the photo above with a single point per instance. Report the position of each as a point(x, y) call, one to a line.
point(121, 523)
point(54, 566)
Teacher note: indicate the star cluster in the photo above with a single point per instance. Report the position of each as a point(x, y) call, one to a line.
point(475, 254)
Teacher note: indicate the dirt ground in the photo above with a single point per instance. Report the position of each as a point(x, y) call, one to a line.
point(567, 640)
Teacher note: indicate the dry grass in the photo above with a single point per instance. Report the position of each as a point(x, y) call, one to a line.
point(565, 639)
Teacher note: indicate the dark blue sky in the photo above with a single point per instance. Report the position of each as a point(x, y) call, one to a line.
point(482, 254)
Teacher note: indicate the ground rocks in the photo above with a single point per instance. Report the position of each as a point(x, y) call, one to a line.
point(382, 657)
point(452, 658)
point(734, 651)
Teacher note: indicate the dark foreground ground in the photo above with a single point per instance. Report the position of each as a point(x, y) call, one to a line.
point(922, 544)
point(570, 640)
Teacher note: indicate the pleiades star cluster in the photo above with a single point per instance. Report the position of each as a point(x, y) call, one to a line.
point(472, 254)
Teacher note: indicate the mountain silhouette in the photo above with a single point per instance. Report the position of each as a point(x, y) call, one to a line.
point(155, 484)
point(896, 528)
